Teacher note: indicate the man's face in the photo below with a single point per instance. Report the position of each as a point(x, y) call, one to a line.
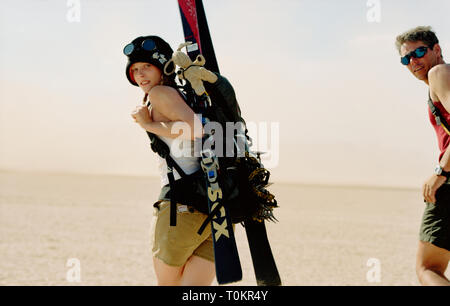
point(419, 67)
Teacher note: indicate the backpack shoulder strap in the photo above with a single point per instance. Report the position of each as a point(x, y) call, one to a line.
point(440, 120)
point(160, 147)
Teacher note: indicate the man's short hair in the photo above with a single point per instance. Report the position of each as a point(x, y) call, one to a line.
point(420, 33)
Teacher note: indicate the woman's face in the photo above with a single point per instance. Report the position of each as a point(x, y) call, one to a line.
point(146, 75)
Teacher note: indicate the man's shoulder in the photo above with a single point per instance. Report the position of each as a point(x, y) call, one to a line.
point(440, 72)
point(439, 82)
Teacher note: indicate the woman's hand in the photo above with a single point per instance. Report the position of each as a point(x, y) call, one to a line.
point(141, 115)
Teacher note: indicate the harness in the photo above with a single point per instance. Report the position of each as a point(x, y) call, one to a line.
point(163, 150)
point(440, 120)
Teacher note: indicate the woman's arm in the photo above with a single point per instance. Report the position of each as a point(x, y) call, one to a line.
point(171, 129)
point(168, 102)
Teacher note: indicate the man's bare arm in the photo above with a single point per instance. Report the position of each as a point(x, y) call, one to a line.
point(439, 80)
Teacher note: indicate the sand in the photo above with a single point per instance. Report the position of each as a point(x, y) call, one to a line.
point(325, 235)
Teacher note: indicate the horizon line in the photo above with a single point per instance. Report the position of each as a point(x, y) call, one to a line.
point(279, 182)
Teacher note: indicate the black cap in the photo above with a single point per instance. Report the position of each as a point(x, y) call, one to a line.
point(158, 56)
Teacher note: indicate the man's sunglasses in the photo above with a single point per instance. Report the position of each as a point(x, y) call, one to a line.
point(418, 53)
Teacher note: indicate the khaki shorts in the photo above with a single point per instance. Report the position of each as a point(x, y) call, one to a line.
point(175, 244)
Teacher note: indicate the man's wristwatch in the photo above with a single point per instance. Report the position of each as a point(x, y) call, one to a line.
point(439, 171)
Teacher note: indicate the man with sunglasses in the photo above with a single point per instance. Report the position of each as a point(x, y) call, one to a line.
point(421, 54)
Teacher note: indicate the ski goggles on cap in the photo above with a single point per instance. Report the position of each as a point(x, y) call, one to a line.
point(418, 53)
point(147, 45)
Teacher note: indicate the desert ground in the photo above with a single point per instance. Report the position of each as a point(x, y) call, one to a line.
point(326, 235)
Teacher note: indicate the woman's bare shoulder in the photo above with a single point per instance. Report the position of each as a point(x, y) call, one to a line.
point(161, 92)
point(165, 95)
point(168, 101)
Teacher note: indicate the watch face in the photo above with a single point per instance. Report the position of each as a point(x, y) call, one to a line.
point(438, 170)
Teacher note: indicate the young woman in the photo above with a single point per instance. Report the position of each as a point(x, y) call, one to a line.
point(180, 255)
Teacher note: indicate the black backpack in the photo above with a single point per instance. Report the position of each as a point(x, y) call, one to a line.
point(241, 176)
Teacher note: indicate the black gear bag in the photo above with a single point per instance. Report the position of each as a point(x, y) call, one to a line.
point(242, 177)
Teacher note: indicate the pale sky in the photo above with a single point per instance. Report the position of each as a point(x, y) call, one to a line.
point(347, 111)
